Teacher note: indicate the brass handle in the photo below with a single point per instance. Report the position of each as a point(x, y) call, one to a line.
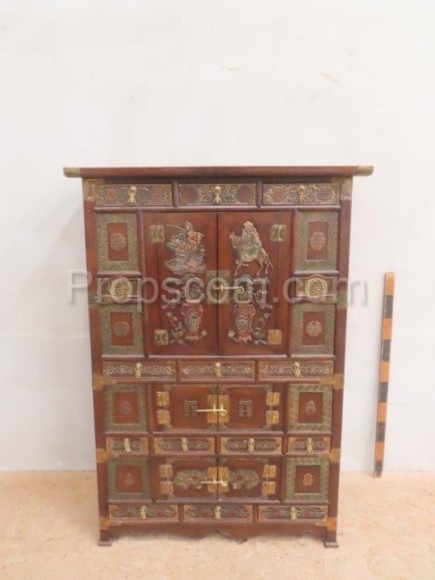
point(222, 412)
point(127, 445)
point(217, 369)
point(251, 445)
point(143, 512)
point(184, 444)
point(217, 195)
point(222, 482)
point(138, 371)
point(309, 445)
point(222, 288)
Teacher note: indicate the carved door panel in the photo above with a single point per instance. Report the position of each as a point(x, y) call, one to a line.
point(180, 256)
point(254, 262)
point(249, 478)
point(179, 408)
point(185, 478)
point(251, 407)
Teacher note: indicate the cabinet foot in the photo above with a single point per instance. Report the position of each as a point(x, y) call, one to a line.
point(331, 544)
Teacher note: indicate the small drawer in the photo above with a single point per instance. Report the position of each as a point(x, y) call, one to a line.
point(136, 513)
point(294, 370)
point(217, 371)
point(155, 371)
point(251, 445)
point(301, 193)
point(184, 445)
point(308, 445)
point(298, 514)
point(134, 194)
point(127, 446)
point(241, 194)
point(206, 512)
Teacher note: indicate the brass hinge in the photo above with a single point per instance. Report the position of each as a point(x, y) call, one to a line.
point(97, 382)
point(346, 189)
point(90, 189)
point(278, 233)
point(334, 456)
point(101, 455)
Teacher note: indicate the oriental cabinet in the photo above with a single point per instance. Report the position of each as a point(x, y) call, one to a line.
point(217, 307)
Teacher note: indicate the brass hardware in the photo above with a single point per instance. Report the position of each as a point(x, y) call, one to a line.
point(222, 412)
point(217, 512)
point(272, 399)
point(97, 382)
point(268, 488)
point(251, 445)
point(269, 471)
point(309, 445)
point(157, 234)
point(143, 512)
point(272, 417)
point(217, 197)
point(104, 523)
point(274, 336)
point(161, 337)
point(132, 191)
point(334, 456)
point(163, 417)
point(184, 444)
point(222, 288)
point(214, 481)
point(167, 487)
point(127, 445)
point(278, 233)
point(101, 455)
point(217, 369)
point(293, 514)
point(138, 371)
point(297, 368)
point(165, 471)
point(338, 382)
point(364, 170)
point(162, 398)
point(331, 524)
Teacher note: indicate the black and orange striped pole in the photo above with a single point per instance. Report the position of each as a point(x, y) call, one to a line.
point(384, 373)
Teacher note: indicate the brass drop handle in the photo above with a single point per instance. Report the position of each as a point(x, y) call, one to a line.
point(251, 445)
point(309, 445)
point(184, 444)
point(217, 369)
point(222, 482)
point(222, 288)
point(217, 195)
point(127, 445)
point(222, 412)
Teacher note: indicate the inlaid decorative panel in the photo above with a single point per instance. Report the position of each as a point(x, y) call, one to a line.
point(251, 445)
point(301, 193)
point(213, 512)
point(155, 371)
point(253, 477)
point(313, 328)
point(128, 478)
point(138, 513)
point(187, 477)
point(117, 242)
point(128, 445)
point(307, 479)
point(310, 407)
point(251, 407)
point(190, 445)
point(217, 370)
point(295, 370)
point(125, 408)
point(297, 513)
point(121, 330)
point(134, 194)
point(310, 445)
point(316, 288)
point(317, 236)
point(217, 194)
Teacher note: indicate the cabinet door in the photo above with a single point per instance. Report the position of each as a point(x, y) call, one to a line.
point(250, 408)
point(254, 263)
point(180, 257)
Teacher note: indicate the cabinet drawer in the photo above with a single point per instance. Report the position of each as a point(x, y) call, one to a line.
point(134, 194)
point(239, 194)
point(134, 513)
point(294, 370)
point(299, 514)
point(155, 371)
point(301, 193)
point(207, 512)
point(184, 445)
point(251, 445)
point(308, 445)
point(127, 446)
point(217, 371)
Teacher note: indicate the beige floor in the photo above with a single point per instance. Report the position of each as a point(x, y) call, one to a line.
point(48, 531)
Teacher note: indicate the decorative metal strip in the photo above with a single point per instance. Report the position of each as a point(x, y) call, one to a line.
point(107, 330)
point(146, 512)
point(104, 263)
point(301, 193)
point(134, 194)
point(112, 478)
point(294, 423)
point(292, 464)
point(221, 194)
point(295, 370)
point(298, 330)
point(304, 240)
point(109, 392)
point(145, 370)
point(302, 514)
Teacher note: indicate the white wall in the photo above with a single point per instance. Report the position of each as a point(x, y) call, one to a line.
point(104, 82)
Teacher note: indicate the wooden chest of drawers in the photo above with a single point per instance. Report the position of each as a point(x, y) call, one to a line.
point(217, 305)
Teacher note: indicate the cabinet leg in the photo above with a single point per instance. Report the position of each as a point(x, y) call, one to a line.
point(105, 539)
point(331, 539)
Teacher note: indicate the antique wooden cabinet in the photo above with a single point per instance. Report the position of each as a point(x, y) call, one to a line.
point(217, 306)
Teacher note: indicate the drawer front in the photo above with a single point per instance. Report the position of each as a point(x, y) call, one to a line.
point(117, 242)
point(134, 194)
point(153, 371)
point(294, 370)
point(310, 408)
point(238, 194)
point(299, 514)
point(125, 408)
point(208, 512)
point(251, 445)
point(301, 193)
point(128, 479)
point(133, 513)
point(307, 479)
point(127, 446)
point(217, 371)
point(308, 445)
point(184, 445)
